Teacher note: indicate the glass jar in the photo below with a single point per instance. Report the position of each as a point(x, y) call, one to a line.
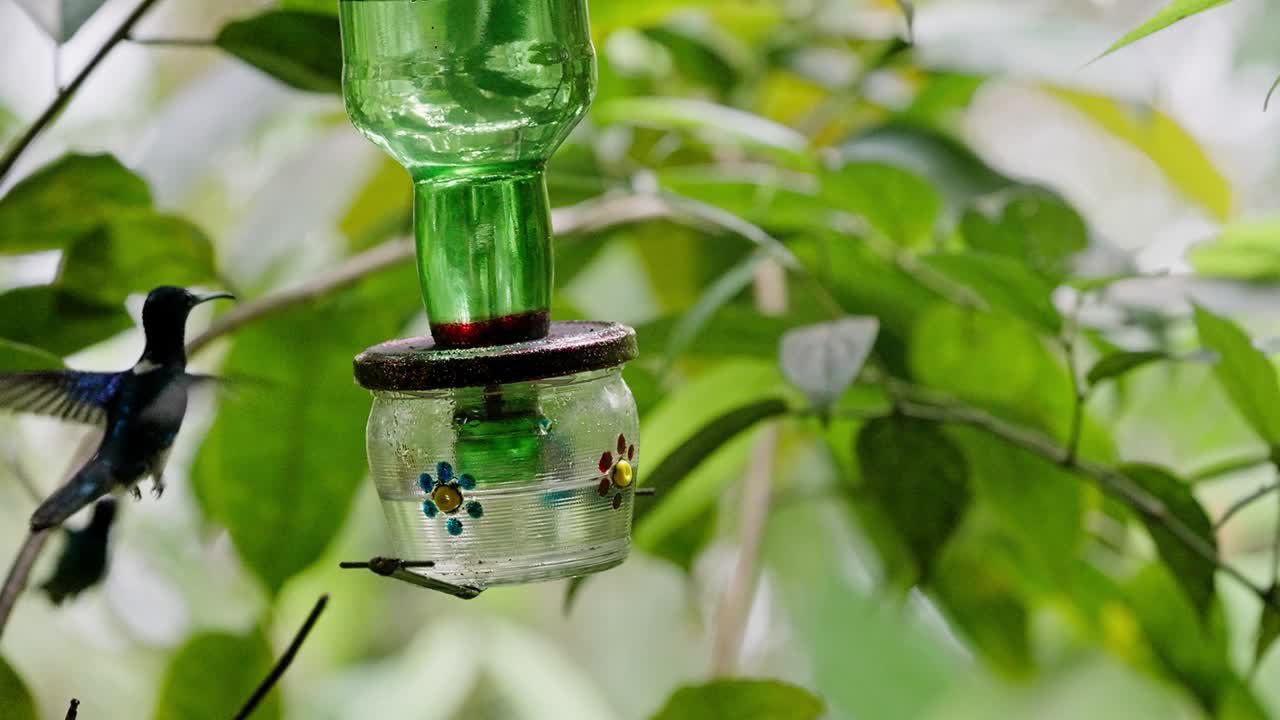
point(501, 483)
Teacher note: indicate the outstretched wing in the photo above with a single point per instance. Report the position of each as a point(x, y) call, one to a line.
point(65, 394)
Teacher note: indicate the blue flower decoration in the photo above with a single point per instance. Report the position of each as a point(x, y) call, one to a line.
point(445, 495)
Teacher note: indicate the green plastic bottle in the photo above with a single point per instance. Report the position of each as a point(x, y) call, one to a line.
point(473, 97)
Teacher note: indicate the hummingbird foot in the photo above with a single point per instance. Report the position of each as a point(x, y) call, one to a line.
point(157, 488)
point(137, 494)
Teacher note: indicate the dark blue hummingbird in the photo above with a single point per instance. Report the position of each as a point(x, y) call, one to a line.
point(140, 409)
point(83, 562)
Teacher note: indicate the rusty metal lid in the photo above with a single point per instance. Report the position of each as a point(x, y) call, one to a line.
point(570, 347)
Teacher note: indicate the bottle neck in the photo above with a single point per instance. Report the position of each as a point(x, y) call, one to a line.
point(484, 253)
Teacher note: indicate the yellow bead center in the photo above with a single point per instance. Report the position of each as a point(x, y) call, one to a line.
point(447, 498)
point(622, 474)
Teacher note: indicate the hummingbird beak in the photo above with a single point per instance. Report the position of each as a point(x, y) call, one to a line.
point(214, 296)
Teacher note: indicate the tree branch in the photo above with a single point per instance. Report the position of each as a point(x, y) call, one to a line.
point(285, 660)
point(1110, 479)
point(586, 216)
point(72, 711)
point(65, 94)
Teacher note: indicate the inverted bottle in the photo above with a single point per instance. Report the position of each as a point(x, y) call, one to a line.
point(472, 97)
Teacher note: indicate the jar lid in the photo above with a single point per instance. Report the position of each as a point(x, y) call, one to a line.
point(570, 347)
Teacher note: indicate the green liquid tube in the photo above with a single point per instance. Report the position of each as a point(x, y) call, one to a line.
point(473, 97)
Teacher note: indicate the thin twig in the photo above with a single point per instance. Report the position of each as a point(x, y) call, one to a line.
point(16, 581)
point(20, 571)
point(285, 660)
point(735, 604)
point(1070, 335)
point(65, 94)
point(1275, 548)
point(174, 42)
point(73, 710)
point(1245, 502)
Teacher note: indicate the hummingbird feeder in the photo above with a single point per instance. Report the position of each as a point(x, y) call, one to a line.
point(503, 445)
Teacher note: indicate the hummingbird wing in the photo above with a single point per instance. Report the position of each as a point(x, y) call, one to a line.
point(65, 394)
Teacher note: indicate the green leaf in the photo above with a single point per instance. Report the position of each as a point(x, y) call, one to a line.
point(823, 360)
point(1027, 383)
point(279, 468)
point(678, 464)
point(312, 6)
point(134, 252)
point(864, 283)
point(58, 320)
point(897, 203)
point(1034, 227)
point(920, 479)
point(984, 607)
point(1268, 625)
point(741, 700)
point(1030, 506)
point(1116, 364)
point(1244, 372)
point(1175, 11)
point(301, 49)
point(778, 200)
point(949, 166)
point(1247, 250)
point(1191, 649)
point(15, 699)
point(213, 674)
point(16, 357)
point(721, 123)
point(1005, 284)
point(717, 294)
point(1193, 572)
point(382, 207)
point(65, 199)
point(1157, 135)
point(727, 398)
point(735, 329)
point(608, 16)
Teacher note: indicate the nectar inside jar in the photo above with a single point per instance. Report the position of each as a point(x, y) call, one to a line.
point(508, 464)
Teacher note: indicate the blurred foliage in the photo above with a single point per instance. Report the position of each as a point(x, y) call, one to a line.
point(741, 700)
point(18, 704)
point(213, 674)
point(918, 279)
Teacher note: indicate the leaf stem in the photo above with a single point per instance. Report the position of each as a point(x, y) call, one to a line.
point(64, 95)
point(20, 571)
point(285, 660)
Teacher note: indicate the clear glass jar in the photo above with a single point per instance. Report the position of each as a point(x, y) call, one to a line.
point(508, 484)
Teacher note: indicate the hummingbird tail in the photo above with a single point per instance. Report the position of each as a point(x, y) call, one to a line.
point(90, 483)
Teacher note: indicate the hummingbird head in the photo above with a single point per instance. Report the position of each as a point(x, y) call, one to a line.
point(164, 320)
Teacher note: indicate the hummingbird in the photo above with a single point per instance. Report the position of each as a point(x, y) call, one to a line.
point(83, 562)
point(140, 409)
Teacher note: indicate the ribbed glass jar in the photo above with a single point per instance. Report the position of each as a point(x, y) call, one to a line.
point(508, 484)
